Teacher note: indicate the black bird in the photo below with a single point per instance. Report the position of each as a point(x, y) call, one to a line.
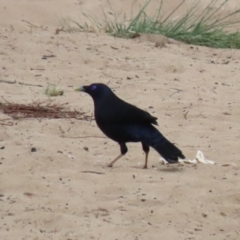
point(123, 122)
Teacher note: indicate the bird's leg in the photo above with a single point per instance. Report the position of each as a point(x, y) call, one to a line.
point(146, 149)
point(123, 149)
point(111, 163)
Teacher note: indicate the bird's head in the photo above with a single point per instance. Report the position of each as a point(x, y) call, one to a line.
point(95, 90)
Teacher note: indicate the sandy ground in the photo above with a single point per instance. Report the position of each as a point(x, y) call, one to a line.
point(194, 92)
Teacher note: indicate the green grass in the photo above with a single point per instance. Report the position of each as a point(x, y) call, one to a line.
point(199, 26)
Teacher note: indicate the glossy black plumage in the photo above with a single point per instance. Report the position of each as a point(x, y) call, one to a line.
point(123, 122)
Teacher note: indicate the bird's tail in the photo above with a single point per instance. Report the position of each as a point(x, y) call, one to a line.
point(165, 148)
point(169, 152)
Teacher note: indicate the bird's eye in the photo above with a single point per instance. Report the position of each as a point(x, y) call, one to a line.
point(93, 87)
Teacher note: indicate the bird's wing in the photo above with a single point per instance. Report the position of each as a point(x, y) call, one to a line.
point(119, 111)
point(113, 110)
point(135, 114)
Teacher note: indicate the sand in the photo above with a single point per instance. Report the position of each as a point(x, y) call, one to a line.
point(64, 190)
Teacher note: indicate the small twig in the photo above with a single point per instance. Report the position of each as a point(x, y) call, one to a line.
point(7, 124)
point(28, 84)
point(84, 137)
point(9, 82)
point(33, 25)
point(5, 100)
point(48, 56)
point(177, 91)
point(21, 83)
point(92, 172)
point(39, 69)
point(185, 114)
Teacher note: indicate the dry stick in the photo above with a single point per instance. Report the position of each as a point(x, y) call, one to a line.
point(33, 25)
point(9, 82)
point(84, 137)
point(177, 91)
point(92, 172)
point(31, 85)
point(7, 124)
point(185, 114)
point(39, 69)
point(21, 83)
point(5, 100)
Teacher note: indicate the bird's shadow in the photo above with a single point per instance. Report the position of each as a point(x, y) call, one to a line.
point(164, 169)
point(171, 169)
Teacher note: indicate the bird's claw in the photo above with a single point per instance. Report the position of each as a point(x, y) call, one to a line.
point(109, 165)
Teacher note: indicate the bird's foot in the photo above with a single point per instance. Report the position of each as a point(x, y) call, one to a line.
point(109, 165)
point(145, 167)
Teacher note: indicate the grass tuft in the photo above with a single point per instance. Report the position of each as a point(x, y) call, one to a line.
point(52, 91)
point(204, 27)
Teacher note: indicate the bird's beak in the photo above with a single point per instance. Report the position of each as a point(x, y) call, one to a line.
point(80, 89)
